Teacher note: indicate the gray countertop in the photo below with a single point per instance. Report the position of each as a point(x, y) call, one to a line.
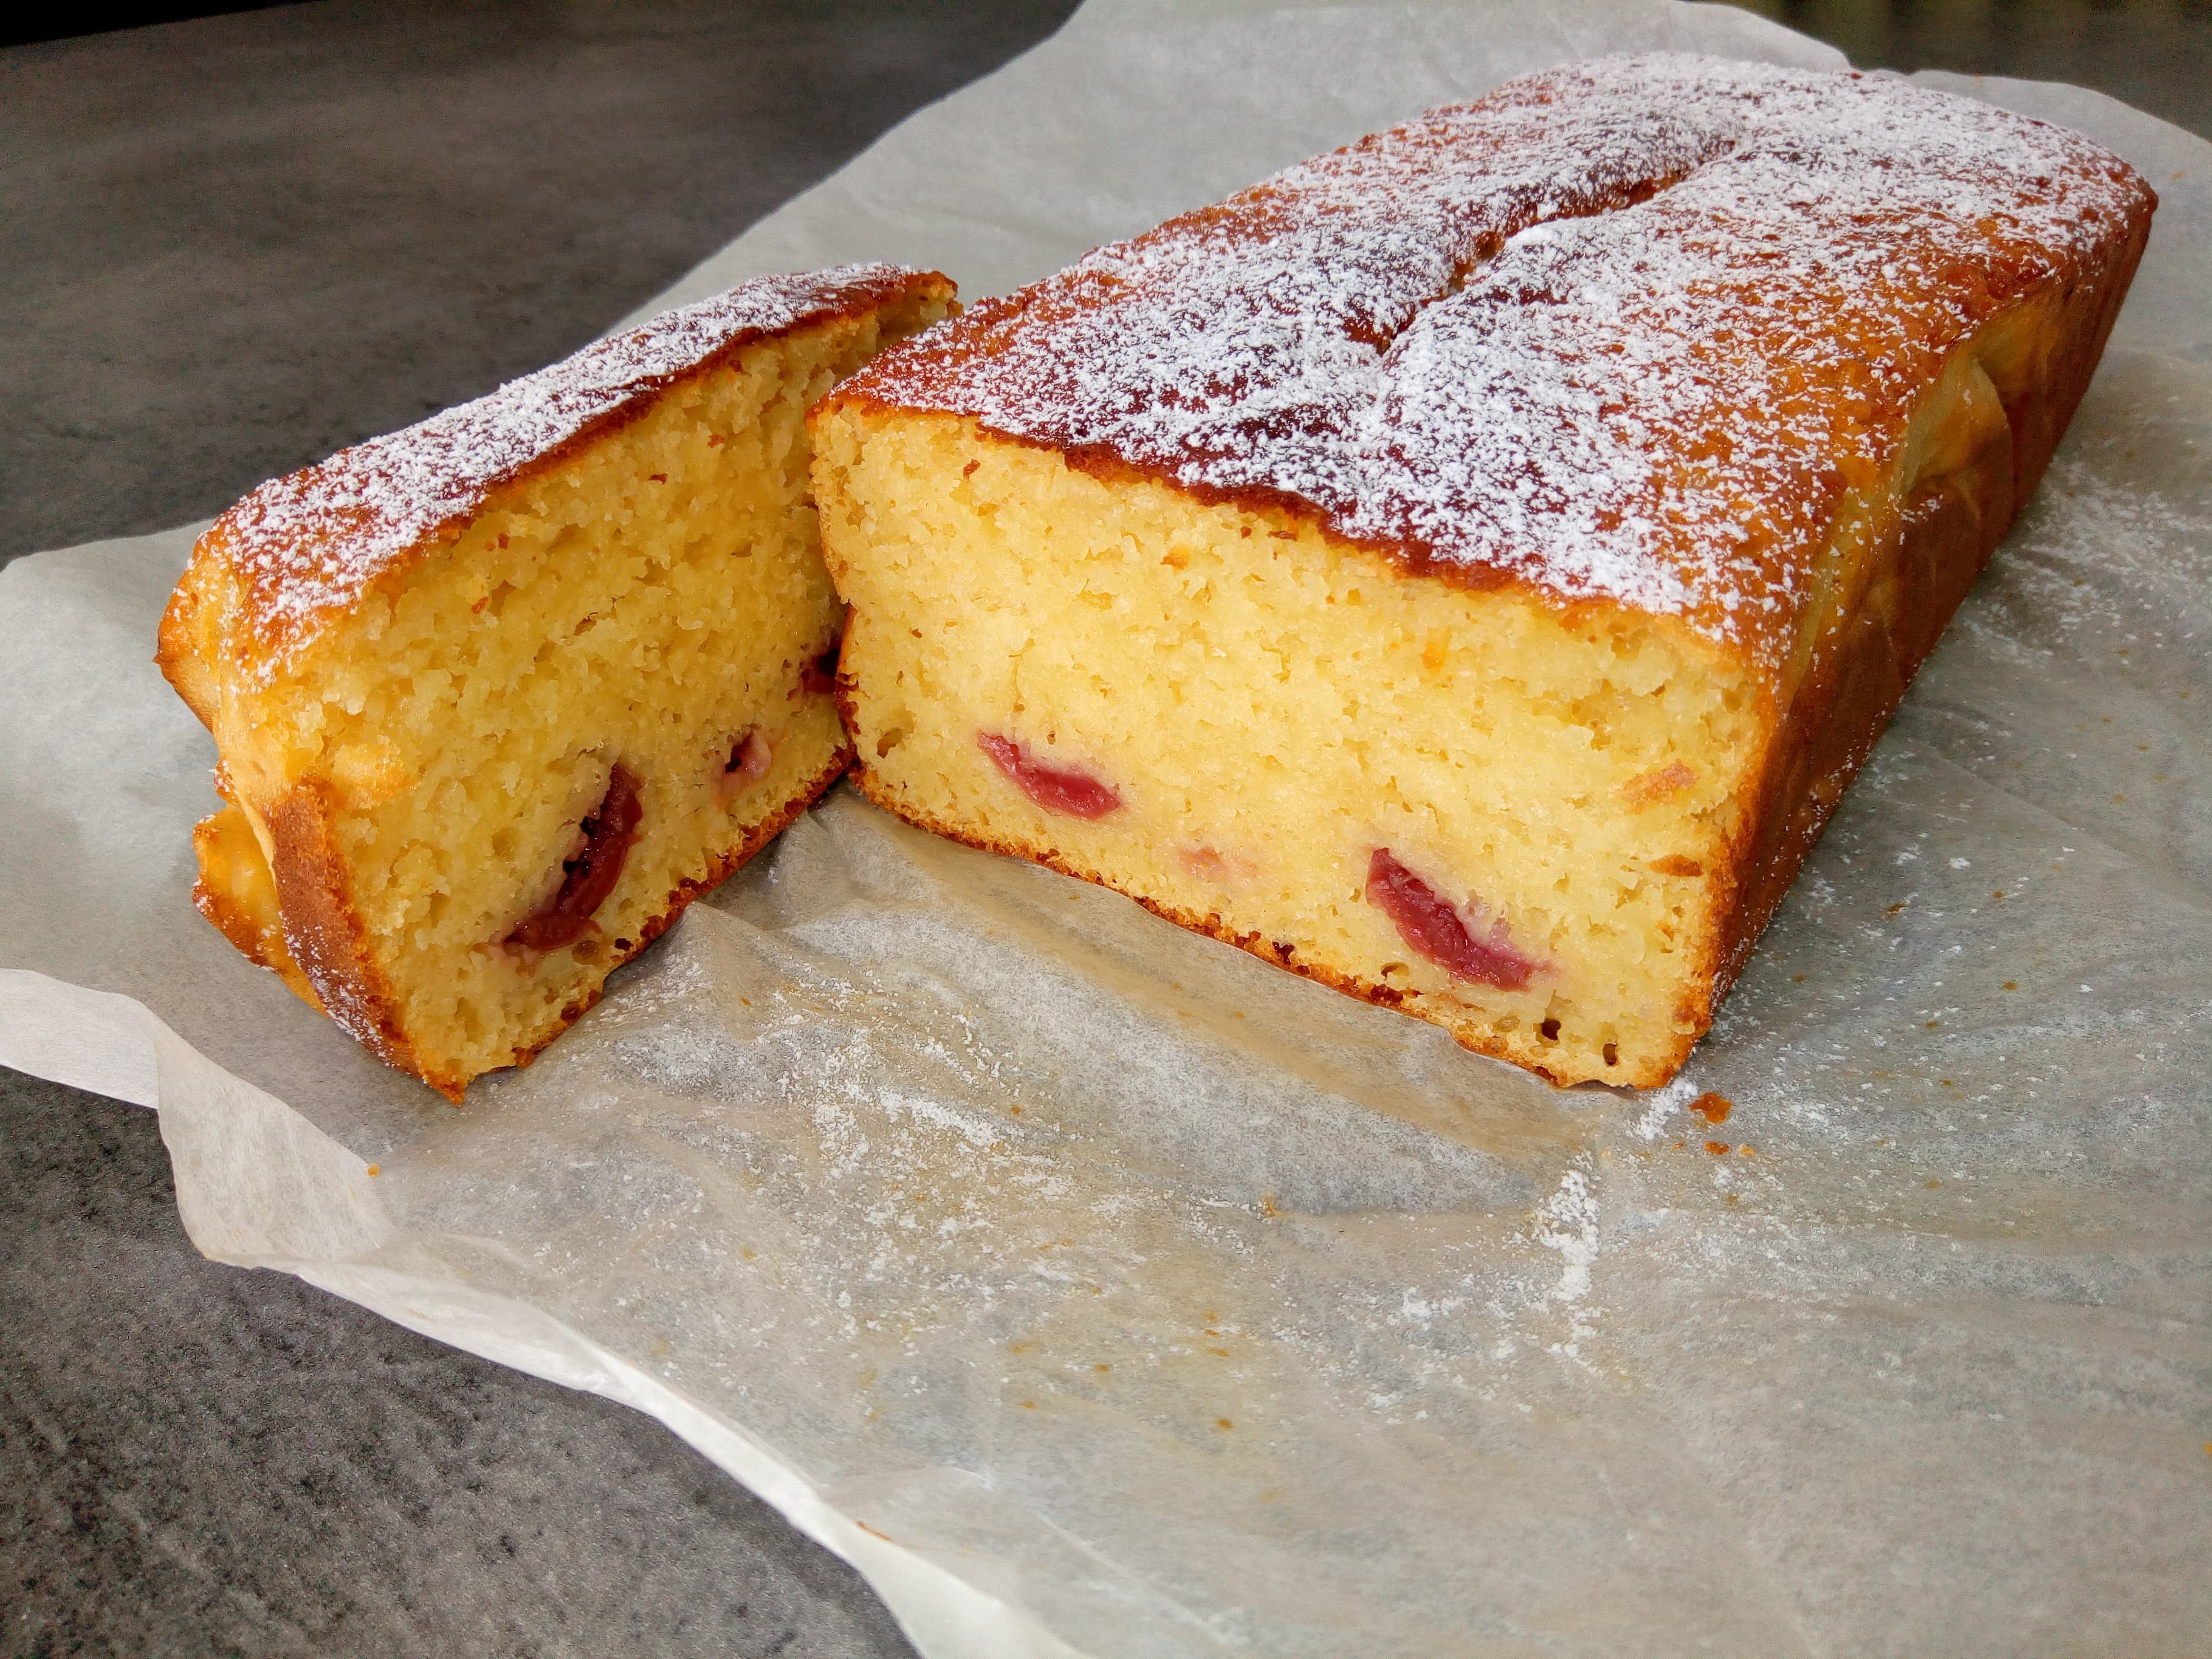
point(234, 245)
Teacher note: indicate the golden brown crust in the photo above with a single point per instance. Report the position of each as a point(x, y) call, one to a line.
point(235, 891)
point(1871, 655)
point(183, 649)
point(326, 934)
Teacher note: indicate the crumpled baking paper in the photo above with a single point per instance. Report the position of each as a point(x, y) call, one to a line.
point(1096, 1289)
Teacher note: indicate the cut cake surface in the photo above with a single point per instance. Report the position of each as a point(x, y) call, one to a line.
point(495, 696)
point(1468, 567)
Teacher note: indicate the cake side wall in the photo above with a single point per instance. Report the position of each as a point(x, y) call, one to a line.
point(1936, 536)
point(236, 891)
point(325, 936)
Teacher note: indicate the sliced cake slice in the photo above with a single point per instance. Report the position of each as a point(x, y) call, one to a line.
point(495, 696)
point(1468, 567)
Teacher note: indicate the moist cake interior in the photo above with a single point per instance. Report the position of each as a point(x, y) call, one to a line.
point(641, 633)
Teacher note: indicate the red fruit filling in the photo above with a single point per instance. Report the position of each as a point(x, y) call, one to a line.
point(749, 759)
point(1438, 932)
point(819, 676)
point(1056, 788)
point(589, 878)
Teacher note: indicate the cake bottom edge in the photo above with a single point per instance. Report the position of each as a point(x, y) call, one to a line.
point(1644, 1072)
point(237, 893)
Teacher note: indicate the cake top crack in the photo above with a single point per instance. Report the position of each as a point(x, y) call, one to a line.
point(1624, 331)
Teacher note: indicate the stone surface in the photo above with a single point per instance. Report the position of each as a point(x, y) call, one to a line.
point(233, 246)
point(238, 244)
point(2155, 54)
point(197, 1458)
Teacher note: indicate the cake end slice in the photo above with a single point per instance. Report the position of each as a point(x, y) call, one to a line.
point(495, 697)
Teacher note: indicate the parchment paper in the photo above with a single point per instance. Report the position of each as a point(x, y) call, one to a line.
point(1095, 1288)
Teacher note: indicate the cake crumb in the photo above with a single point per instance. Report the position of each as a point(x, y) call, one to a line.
point(1713, 1108)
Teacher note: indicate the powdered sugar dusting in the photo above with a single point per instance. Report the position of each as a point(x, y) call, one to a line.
point(1568, 1223)
point(1662, 1104)
point(1625, 330)
point(310, 544)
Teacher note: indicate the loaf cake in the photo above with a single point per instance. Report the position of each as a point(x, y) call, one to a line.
point(1468, 567)
point(495, 696)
